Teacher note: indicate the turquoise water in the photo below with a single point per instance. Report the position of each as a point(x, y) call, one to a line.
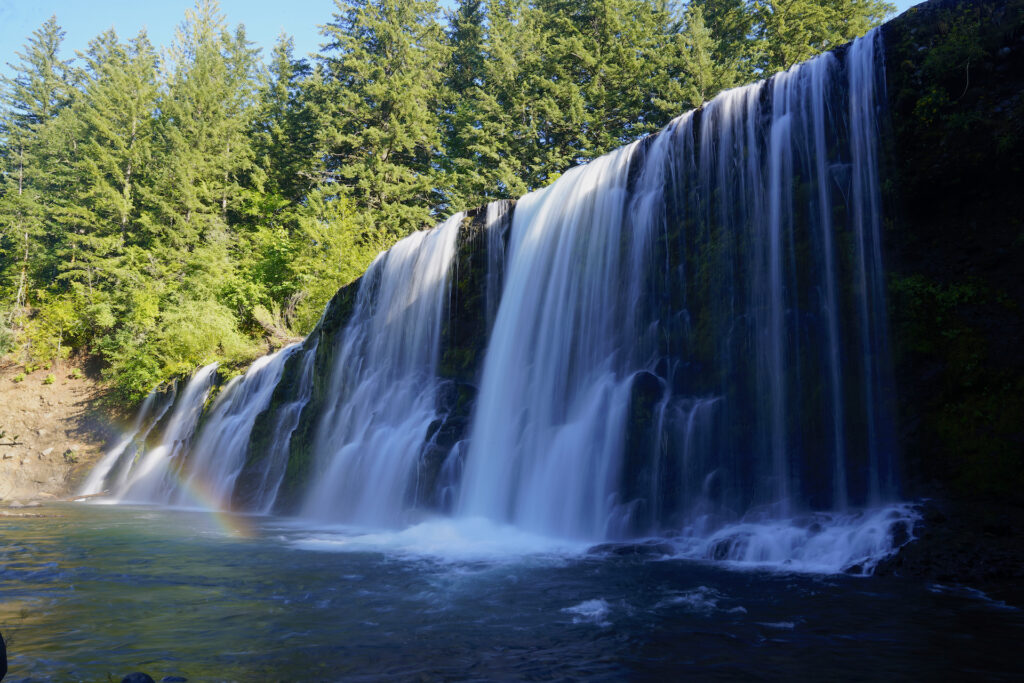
point(91, 593)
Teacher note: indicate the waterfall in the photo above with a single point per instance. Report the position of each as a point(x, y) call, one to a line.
point(218, 454)
point(497, 223)
point(671, 349)
point(684, 337)
point(96, 482)
point(269, 476)
point(550, 417)
point(383, 384)
point(153, 477)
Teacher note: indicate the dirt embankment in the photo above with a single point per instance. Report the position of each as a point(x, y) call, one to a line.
point(51, 431)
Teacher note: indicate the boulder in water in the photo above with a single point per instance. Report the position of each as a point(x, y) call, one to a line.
point(137, 677)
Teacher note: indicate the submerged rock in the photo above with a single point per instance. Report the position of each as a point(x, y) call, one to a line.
point(138, 677)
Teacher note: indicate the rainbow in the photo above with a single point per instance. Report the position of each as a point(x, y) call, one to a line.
point(231, 523)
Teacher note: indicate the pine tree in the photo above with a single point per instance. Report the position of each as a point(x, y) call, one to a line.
point(114, 118)
point(796, 30)
point(31, 100)
point(203, 133)
point(706, 71)
point(563, 82)
point(463, 75)
point(380, 100)
point(283, 132)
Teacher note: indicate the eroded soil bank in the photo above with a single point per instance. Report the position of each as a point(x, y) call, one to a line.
point(51, 431)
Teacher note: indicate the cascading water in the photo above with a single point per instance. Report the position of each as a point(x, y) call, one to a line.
point(550, 418)
point(217, 456)
point(383, 387)
point(691, 331)
point(153, 476)
point(685, 337)
point(268, 477)
point(497, 225)
point(117, 462)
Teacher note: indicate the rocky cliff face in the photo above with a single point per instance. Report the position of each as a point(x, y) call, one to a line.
point(955, 244)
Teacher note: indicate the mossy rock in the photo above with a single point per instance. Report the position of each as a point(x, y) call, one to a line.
point(955, 244)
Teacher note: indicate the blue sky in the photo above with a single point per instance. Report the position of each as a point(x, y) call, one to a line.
point(83, 20)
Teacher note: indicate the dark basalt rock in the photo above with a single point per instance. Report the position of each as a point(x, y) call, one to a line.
point(965, 543)
point(638, 472)
point(954, 244)
point(325, 336)
point(138, 677)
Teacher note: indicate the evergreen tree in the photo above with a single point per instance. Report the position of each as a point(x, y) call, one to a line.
point(463, 75)
point(563, 82)
point(380, 100)
point(203, 133)
point(114, 117)
point(795, 30)
point(39, 90)
point(706, 70)
point(283, 134)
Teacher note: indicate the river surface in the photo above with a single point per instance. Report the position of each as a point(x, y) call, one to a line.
point(92, 592)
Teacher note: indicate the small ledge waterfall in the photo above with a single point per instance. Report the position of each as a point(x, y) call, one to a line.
point(684, 338)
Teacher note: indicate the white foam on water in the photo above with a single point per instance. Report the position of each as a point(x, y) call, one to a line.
point(820, 543)
point(785, 625)
point(471, 539)
point(590, 612)
point(700, 599)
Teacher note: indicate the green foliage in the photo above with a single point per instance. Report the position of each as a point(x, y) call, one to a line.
point(795, 30)
point(8, 341)
point(20, 377)
point(50, 379)
point(378, 102)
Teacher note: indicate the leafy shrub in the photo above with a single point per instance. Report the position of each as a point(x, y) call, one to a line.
point(50, 379)
point(191, 333)
point(20, 377)
point(54, 329)
point(8, 342)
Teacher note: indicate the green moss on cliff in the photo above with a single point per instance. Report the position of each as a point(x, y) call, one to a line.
point(325, 337)
point(955, 241)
